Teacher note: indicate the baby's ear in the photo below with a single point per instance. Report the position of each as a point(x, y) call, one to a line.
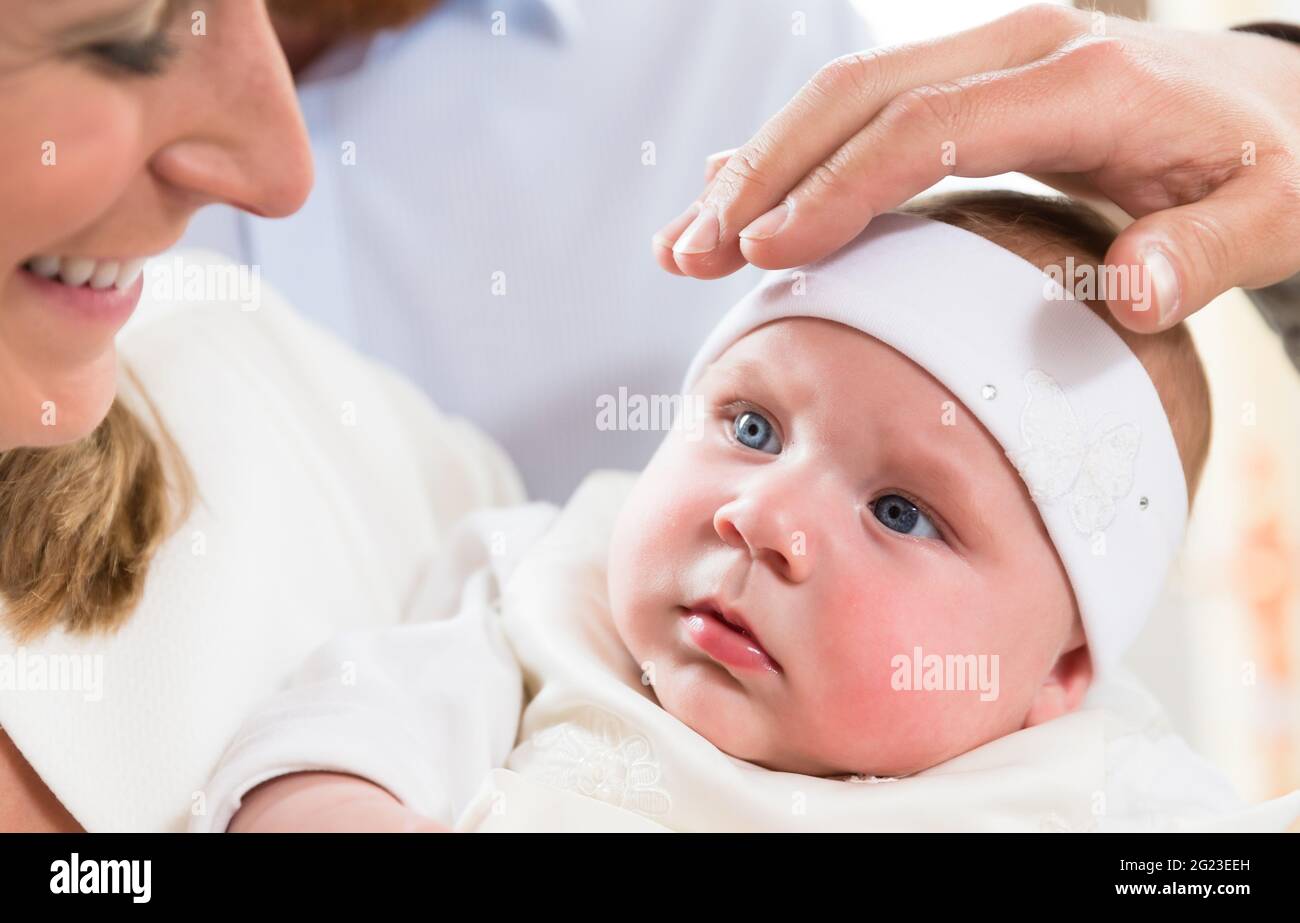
point(1062, 689)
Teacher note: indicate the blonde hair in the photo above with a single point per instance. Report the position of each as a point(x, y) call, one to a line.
point(1045, 230)
point(81, 523)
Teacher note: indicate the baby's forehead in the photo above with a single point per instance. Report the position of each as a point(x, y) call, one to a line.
point(858, 388)
point(833, 357)
point(870, 411)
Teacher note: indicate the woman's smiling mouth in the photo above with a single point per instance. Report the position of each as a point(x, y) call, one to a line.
point(75, 272)
point(724, 635)
point(101, 291)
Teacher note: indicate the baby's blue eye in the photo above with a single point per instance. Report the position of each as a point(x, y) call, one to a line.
point(753, 430)
point(901, 515)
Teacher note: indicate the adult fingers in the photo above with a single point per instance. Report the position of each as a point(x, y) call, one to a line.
point(1182, 258)
point(831, 108)
point(715, 162)
point(662, 242)
point(1036, 117)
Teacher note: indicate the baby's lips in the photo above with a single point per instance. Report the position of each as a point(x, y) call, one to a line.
point(725, 644)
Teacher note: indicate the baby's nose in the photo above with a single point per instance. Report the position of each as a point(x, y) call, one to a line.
point(773, 529)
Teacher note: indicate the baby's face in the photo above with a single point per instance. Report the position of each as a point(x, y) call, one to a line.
point(846, 510)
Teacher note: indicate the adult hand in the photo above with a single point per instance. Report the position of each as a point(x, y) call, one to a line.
point(1197, 135)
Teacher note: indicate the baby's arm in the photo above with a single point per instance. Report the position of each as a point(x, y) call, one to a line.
point(326, 802)
point(388, 729)
point(413, 715)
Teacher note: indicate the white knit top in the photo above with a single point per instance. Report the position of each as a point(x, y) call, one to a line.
point(325, 486)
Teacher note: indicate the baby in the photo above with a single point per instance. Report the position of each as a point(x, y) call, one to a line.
point(856, 512)
point(926, 496)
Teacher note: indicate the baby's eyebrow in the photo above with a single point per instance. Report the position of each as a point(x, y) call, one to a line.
point(784, 389)
point(739, 369)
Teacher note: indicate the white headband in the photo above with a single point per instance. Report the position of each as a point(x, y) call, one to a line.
point(1060, 391)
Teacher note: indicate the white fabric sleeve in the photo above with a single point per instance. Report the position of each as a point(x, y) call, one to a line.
point(424, 709)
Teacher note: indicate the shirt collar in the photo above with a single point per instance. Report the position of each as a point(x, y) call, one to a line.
point(555, 20)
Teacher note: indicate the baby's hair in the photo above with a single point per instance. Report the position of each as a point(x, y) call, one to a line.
point(1045, 230)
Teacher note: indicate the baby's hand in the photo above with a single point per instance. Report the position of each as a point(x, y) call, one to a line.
point(326, 802)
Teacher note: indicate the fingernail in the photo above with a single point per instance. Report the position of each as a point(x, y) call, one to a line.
point(667, 235)
point(1163, 282)
point(701, 236)
point(767, 224)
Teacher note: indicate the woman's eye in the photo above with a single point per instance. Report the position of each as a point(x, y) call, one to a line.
point(145, 58)
point(753, 430)
point(901, 515)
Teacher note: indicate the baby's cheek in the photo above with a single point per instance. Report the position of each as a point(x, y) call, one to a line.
point(876, 650)
point(654, 540)
point(869, 626)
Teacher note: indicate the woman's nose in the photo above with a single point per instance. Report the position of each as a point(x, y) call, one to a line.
point(241, 138)
point(773, 523)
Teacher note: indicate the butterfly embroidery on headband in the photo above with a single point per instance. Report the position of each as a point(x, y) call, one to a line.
point(1061, 461)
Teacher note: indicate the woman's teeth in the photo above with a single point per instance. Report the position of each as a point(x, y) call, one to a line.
point(78, 271)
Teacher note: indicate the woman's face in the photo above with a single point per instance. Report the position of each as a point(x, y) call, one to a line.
point(118, 120)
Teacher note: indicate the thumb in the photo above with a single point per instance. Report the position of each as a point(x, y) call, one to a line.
point(1171, 263)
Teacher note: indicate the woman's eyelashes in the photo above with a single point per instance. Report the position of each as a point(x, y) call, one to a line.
point(754, 431)
point(143, 58)
point(901, 515)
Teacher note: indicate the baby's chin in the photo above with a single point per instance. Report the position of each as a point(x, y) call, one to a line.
point(763, 749)
point(740, 727)
point(882, 759)
point(699, 695)
point(724, 715)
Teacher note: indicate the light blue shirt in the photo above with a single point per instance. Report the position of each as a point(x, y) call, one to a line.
point(484, 202)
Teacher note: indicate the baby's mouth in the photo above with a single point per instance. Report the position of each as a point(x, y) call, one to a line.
point(724, 635)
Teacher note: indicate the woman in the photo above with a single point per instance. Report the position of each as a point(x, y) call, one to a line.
point(119, 124)
point(122, 117)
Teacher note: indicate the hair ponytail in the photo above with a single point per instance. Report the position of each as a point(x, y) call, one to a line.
point(80, 523)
